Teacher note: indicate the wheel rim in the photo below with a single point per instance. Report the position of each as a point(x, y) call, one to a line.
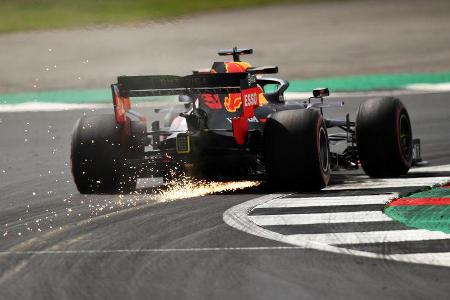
point(405, 136)
point(324, 153)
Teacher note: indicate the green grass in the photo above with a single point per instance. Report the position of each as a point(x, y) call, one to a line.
point(23, 15)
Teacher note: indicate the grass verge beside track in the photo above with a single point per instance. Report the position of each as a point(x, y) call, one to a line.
point(369, 82)
point(427, 210)
point(20, 15)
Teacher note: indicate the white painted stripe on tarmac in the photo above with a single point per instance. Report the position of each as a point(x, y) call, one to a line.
point(304, 219)
point(36, 106)
point(359, 94)
point(237, 217)
point(363, 182)
point(430, 169)
point(44, 106)
point(328, 201)
point(371, 237)
point(429, 87)
point(155, 250)
point(437, 258)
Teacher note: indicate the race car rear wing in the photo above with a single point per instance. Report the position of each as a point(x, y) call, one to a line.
point(165, 85)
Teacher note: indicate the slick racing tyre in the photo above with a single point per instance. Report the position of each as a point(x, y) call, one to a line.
point(297, 150)
point(384, 137)
point(99, 155)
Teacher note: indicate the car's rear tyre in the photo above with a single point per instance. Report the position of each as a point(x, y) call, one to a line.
point(384, 137)
point(297, 150)
point(100, 154)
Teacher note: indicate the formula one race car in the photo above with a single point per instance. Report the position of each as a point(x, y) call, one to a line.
point(236, 124)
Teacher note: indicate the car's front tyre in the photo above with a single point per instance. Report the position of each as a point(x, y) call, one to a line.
point(384, 137)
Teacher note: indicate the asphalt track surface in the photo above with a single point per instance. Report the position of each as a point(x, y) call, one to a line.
point(58, 244)
point(174, 250)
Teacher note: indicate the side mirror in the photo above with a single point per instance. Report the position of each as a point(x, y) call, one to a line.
point(321, 92)
point(184, 99)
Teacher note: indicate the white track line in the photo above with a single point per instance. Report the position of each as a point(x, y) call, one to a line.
point(156, 250)
point(363, 182)
point(439, 258)
point(359, 94)
point(237, 218)
point(42, 106)
point(371, 237)
point(54, 106)
point(429, 87)
point(441, 168)
point(328, 201)
point(304, 219)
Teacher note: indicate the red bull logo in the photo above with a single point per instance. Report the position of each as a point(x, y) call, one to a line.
point(236, 67)
point(232, 102)
point(212, 101)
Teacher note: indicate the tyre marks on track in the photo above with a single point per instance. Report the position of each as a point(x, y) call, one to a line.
point(348, 218)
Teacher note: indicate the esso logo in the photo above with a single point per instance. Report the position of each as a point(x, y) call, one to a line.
point(250, 99)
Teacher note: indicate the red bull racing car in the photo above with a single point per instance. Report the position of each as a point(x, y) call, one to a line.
point(236, 124)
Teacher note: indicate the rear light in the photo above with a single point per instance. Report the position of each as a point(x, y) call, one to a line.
point(183, 143)
point(119, 107)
